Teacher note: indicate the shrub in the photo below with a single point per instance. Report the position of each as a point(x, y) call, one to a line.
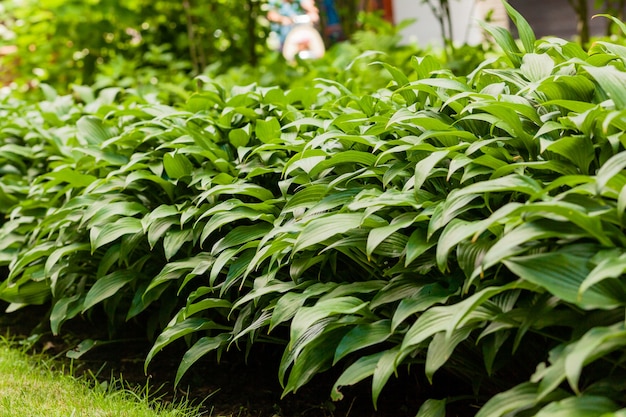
point(467, 223)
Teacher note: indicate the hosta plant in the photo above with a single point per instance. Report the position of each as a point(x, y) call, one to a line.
point(471, 225)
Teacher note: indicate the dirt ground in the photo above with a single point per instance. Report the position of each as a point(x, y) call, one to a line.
point(234, 387)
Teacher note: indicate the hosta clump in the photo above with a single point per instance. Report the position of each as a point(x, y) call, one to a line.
point(467, 224)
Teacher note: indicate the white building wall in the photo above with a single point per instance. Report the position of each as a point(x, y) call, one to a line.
point(465, 16)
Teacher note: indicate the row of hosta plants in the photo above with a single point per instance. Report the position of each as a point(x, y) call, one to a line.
point(472, 225)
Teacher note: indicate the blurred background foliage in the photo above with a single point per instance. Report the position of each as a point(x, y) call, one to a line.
point(64, 42)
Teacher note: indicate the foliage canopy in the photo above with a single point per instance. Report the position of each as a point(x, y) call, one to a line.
point(384, 217)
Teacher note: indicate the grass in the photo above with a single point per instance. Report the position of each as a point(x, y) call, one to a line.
point(33, 386)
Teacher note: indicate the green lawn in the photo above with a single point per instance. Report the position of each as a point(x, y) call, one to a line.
point(30, 387)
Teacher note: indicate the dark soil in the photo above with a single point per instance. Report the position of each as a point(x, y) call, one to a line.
point(234, 387)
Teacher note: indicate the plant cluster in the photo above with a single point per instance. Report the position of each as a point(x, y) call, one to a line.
point(472, 224)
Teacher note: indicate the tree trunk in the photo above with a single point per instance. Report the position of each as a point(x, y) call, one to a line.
point(252, 38)
point(582, 15)
point(193, 53)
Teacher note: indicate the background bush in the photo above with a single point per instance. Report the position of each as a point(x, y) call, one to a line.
point(382, 218)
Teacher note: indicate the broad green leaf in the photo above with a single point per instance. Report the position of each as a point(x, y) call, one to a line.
point(610, 169)
point(175, 331)
point(432, 408)
point(596, 343)
point(223, 218)
point(287, 306)
point(526, 33)
point(441, 348)
point(240, 137)
point(362, 336)
point(426, 297)
point(612, 81)
point(454, 233)
point(315, 358)
point(307, 316)
point(201, 348)
point(350, 158)
point(520, 397)
point(107, 286)
point(174, 240)
point(537, 67)
point(24, 259)
point(377, 235)
point(92, 130)
point(106, 211)
point(431, 322)
point(319, 229)
point(578, 149)
point(562, 274)
point(28, 293)
point(177, 165)
point(239, 188)
point(108, 233)
point(417, 245)
point(362, 368)
point(63, 310)
point(268, 130)
point(385, 367)
point(584, 406)
point(59, 253)
point(506, 42)
point(610, 267)
point(69, 176)
point(425, 167)
point(516, 240)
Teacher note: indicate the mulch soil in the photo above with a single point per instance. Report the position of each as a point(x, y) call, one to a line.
point(235, 387)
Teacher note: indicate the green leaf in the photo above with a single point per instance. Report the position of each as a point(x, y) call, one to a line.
point(240, 137)
point(29, 293)
point(68, 176)
point(432, 408)
point(358, 371)
point(268, 130)
point(307, 316)
point(107, 286)
point(518, 398)
point(177, 165)
point(417, 245)
point(612, 81)
point(174, 240)
point(316, 358)
point(201, 348)
point(441, 348)
point(595, 344)
point(612, 167)
point(379, 234)
point(318, 230)
point(175, 331)
point(113, 231)
point(63, 310)
point(386, 367)
point(610, 267)
point(562, 274)
point(537, 67)
point(506, 42)
point(524, 29)
point(425, 167)
point(584, 406)
point(578, 149)
point(92, 130)
point(362, 336)
point(454, 233)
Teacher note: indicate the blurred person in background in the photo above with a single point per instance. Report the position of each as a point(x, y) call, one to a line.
point(283, 14)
